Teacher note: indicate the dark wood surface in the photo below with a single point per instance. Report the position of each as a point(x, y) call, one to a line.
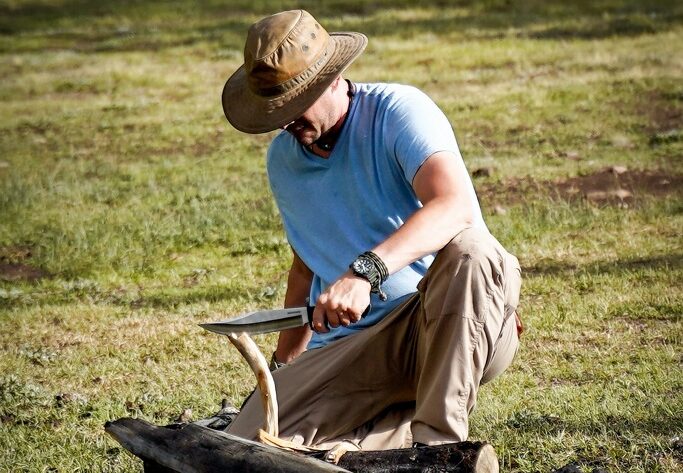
point(197, 449)
point(461, 457)
point(192, 448)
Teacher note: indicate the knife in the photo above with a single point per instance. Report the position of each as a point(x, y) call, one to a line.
point(265, 321)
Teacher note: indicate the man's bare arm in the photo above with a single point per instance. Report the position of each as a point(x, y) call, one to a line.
point(442, 185)
point(292, 342)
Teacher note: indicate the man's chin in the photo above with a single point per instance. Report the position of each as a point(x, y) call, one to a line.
point(303, 136)
point(306, 141)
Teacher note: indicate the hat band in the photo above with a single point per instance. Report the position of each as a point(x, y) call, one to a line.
point(298, 80)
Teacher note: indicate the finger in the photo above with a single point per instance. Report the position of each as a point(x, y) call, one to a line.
point(356, 314)
point(318, 321)
point(344, 318)
point(333, 318)
point(343, 315)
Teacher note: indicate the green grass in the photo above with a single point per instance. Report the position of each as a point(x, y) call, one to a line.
point(122, 181)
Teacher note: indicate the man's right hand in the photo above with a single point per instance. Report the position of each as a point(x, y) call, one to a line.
point(342, 303)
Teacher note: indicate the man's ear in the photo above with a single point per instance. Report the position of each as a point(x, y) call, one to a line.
point(335, 84)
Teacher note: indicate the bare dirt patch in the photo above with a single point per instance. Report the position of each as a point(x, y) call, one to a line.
point(20, 272)
point(13, 266)
point(663, 111)
point(611, 186)
point(664, 117)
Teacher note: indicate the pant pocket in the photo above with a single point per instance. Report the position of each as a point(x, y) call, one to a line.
point(512, 283)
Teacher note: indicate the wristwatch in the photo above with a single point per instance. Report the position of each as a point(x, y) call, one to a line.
point(373, 270)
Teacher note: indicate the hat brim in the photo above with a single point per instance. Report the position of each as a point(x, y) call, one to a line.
point(252, 113)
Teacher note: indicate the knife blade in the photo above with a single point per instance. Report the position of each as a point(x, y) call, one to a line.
point(266, 321)
point(263, 321)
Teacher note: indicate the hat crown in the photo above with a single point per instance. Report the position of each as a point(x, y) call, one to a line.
point(285, 47)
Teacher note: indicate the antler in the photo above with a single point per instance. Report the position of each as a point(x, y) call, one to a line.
point(257, 362)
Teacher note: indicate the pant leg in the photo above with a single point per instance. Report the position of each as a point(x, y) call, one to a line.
point(478, 278)
point(345, 390)
point(432, 350)
point(506, 346)
point(463, 304)
point(389, 429)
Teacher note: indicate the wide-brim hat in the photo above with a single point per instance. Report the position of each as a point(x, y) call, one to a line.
point(289, 61)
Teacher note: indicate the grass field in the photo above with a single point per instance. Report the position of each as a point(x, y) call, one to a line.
point(130, 212)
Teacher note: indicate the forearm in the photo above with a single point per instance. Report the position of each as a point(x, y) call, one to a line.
point(442, 185)
point(293, 342)
point(425, 232)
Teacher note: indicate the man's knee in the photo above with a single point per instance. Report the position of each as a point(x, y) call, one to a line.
point(473, 270)
point(472, 246)
point(484, 255)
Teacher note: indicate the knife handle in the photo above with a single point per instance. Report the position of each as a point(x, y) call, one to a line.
point(310, 310)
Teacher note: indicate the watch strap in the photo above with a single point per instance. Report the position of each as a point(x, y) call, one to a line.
point(376, 276)
point(379, 264)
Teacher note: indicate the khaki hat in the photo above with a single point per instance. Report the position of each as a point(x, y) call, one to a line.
point(289, 61)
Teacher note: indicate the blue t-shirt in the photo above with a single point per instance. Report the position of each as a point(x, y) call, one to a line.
point(336, 208)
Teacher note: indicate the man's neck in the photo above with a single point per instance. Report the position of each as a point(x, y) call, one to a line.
point(323, 146)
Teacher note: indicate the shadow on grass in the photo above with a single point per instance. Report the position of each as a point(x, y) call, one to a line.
point(552, 268)
point(213, 294)
point(661, 423)
point(171, 299)
point(90, 25)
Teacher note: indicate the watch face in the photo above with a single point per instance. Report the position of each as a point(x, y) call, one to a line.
point(362, 266)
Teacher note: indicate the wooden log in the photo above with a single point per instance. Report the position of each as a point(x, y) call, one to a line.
point(197, 449)
point(461, 457)
point(258, 364)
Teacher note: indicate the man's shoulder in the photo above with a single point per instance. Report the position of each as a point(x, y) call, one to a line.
point(398, 97)
point(388, 90)
point(282, 143)
point(282, 151)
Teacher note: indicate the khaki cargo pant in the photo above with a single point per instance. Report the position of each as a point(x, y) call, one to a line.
point(415, 375)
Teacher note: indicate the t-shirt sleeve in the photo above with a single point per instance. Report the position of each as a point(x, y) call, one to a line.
point(416, 128)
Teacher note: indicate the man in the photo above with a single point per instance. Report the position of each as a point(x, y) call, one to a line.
point(382, 217)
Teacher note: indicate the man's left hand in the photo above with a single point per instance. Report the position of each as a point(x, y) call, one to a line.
point(342, 303)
